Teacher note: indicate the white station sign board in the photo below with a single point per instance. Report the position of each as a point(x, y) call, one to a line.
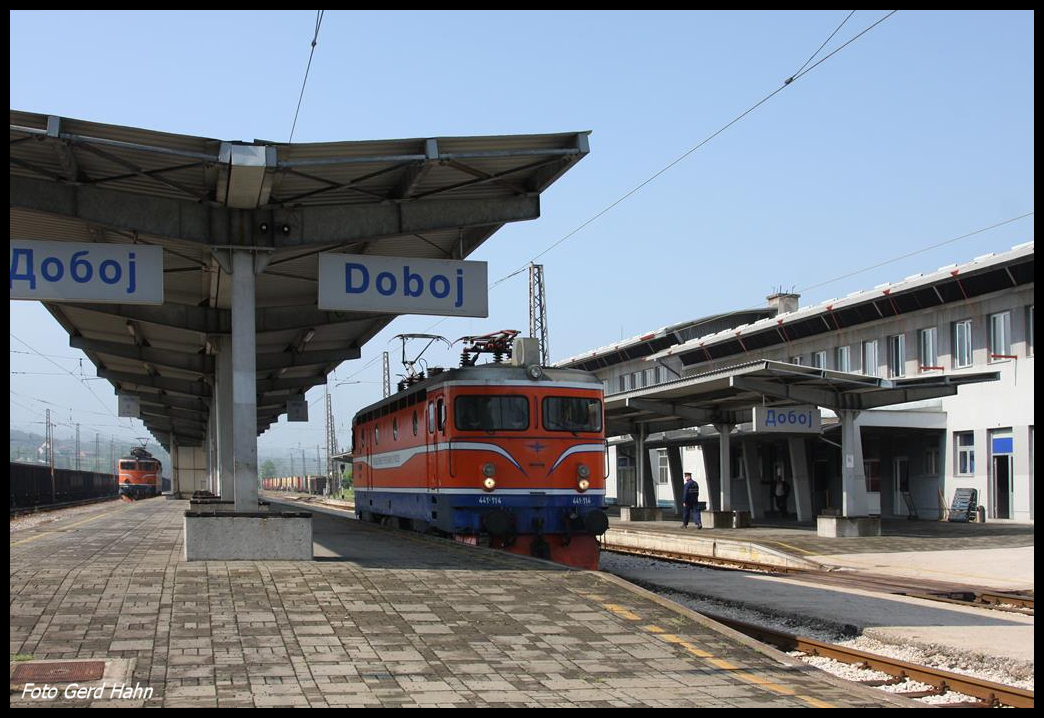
point(403, 285)
point(86, 272)
point(297, 409)
point(799, 419)
point(129, 406)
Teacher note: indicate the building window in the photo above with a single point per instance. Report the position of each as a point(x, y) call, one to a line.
point(1000, 336)
point(819, 360)
point(962, 344)
point(797, 360)
point(844, 359)
point(870, 358)
point(897, 355)
point(872, 470)
point(965, 460)
point(636, 380)
point(929, 349)
point(664, 475)
point(623, 383)
point(931, 462)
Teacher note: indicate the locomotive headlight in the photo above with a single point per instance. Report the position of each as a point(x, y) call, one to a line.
point(583, 472)
point(583, 485)
point(488, 484)
point(534, 371)
point(489, 470)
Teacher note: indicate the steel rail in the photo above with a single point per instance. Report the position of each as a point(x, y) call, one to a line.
point(987, 691)
point(705, 560)
point(925, 590)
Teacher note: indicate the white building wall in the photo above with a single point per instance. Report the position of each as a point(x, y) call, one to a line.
point(1005, 404)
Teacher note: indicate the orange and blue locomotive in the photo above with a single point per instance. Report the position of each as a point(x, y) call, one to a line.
point(509, 455)
point(140, 475)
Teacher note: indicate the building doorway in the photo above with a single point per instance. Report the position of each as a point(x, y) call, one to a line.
point(1002, 488)
point(1001, 474)
point(626, 480)
point(820, 486)
point(901, 493)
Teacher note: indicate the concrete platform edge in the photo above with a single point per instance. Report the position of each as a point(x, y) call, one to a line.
point(712, 548)
point(766, 650)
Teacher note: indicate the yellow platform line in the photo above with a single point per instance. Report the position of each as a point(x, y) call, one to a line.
point(622, 612)
point(734, 669)
point(794, 548)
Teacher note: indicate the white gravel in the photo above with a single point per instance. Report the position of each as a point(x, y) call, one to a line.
point(28, 521)
point(991, 669)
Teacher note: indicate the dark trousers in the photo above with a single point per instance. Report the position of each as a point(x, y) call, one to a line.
point(781, 503)
point(691, 512)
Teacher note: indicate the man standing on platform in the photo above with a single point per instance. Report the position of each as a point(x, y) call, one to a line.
point(691, 500)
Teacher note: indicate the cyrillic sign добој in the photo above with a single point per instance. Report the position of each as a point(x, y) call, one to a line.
point(86, 272)
point(800, 419)
point(403, 285)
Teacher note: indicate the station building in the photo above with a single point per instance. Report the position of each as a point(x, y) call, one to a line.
point(957, 320)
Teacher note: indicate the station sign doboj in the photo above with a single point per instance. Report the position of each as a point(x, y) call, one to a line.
point(403, 285)
point(86, 272)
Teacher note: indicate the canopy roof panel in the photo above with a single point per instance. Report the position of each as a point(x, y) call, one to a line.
point(727, 396)
point(73, 180)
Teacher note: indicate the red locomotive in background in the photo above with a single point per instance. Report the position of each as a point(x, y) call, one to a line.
point(139, 475)
point(512, 455)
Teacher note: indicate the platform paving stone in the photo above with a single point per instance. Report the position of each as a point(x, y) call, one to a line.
point(382, 618)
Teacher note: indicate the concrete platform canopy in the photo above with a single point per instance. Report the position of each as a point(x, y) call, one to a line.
point(241, 225)
point(726, 399)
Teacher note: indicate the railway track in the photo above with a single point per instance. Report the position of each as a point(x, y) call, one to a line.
point(26, 510)
point(986, 693)
point(927, 590)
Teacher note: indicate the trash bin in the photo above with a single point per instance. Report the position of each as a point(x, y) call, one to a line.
point(980, 514)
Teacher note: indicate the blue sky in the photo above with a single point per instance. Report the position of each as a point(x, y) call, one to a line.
point(918, 132)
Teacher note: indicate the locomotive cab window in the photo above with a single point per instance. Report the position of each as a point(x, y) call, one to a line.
point(491, 413)
point(129, 465)
point(442, 417)
point(572, 413)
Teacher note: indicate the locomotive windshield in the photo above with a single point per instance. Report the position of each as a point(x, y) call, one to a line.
point(129, 465)
point(491, 413)
point(571, 413)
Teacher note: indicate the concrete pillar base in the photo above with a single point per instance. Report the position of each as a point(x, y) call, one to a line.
point(228, 536)
point(741, 519)
point(847, 526)
point(640, 513)
point(209, 505)
point(717, 519)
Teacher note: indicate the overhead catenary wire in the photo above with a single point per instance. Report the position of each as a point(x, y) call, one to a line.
point(916, 252)
point(315, 40)
point(82, 379)
point(786, 83)
point(822, 46)
point(800, 73)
